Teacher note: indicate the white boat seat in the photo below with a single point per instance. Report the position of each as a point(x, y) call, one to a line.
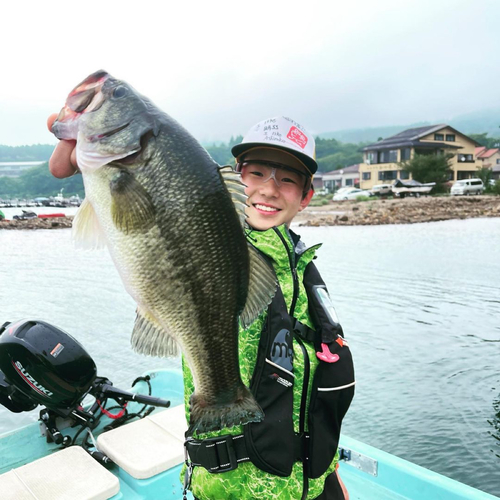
point(148, 446)
point(65, 475)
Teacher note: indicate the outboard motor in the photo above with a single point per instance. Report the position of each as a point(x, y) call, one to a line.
point(41, 364)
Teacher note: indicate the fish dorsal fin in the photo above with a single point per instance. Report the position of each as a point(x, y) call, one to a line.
point(86, 231)
point(261, 288)
point(150, 338)
point(236, 189)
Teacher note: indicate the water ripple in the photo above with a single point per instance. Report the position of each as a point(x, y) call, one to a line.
point(417, 308)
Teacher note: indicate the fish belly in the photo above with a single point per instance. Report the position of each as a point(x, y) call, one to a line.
point(191, 291)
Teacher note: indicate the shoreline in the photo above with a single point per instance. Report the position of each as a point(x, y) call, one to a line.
point(348, 213)
point(38, 223)
point(399, 211)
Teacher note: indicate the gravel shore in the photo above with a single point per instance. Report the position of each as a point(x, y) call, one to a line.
point(38, 223)
point(400, 211)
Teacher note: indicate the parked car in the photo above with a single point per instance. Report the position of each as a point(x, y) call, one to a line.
point(467, 187)
point(352, 194)
point(344, 189)
point(381, 189)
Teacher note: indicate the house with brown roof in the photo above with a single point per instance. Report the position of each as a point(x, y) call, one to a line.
point(489, 157)
point(383, 159)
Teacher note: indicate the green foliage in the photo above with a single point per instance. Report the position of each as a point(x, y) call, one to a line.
point(38, 181)
point(333, 155)
point(363, 198)
point(9, 188)
point(430, 168)
point(495, 189)
point(221, 153)
point(319, 201)
point(330, 153)
point(485, 174)
point(484, 140)
point(35, 152)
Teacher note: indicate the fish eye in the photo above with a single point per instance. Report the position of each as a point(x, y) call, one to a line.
point(120, 92)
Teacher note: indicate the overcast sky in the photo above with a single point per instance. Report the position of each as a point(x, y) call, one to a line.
point(220, 66)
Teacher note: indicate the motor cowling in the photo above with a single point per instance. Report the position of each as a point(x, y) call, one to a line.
point(45, 364)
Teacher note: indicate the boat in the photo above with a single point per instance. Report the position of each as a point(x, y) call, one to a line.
point(143, 459)
point(411, 188)
point(51, 215)
point(26, 215)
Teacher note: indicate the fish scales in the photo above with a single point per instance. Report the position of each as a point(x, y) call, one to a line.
point(163, 208)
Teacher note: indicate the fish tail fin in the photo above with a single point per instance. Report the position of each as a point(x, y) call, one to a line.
point(206, 416)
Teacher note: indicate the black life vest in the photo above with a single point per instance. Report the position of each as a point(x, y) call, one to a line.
point(273, 445)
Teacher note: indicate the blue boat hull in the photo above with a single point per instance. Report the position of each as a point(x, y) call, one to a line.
point(369, 473)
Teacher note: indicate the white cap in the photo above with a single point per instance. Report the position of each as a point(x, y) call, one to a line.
point(282, 133)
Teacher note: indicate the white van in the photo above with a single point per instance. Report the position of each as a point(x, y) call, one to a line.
point(467, 186)
point(381, 189)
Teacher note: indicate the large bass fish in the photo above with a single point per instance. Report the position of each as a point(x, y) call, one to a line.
point(173, 221)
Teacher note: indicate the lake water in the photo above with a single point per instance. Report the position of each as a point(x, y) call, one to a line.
point(420, 305)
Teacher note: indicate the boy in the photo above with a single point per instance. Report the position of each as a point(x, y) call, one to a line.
point(293, 356)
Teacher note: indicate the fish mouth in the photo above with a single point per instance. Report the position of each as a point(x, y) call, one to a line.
point(84, 98)
point(94, 138)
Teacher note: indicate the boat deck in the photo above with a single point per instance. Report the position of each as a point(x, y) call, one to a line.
point(369, 473)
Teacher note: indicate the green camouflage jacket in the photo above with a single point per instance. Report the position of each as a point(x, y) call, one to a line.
point(247, 481)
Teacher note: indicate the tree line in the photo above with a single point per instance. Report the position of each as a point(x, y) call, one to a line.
point(38, 181)
point(484, 140)
point(35, 152)
point(331, 154)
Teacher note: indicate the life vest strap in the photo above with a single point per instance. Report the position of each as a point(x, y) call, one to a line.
point(304, 332)
point(224, 453)
point(219, 454)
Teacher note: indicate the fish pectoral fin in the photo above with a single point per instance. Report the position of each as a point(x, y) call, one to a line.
point(132, 208)
point(261, 288)
point(236, 188)
point(150, 338)
point(86, 230)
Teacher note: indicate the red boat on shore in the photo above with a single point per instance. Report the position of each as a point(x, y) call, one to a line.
point(49, 216)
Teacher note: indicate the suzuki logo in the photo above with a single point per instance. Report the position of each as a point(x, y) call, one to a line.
point(39, 388)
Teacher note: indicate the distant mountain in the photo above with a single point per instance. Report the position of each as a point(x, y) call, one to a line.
point(479, 122)
point(34, 152)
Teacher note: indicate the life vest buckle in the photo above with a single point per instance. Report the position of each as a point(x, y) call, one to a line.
point(214, 454)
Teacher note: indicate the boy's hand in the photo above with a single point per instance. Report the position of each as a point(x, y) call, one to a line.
point(62, 163)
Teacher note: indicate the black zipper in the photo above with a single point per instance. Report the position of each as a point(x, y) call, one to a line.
point(305, 385)
point(302, 420)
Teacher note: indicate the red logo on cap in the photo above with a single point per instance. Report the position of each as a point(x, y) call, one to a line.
point(295, 135)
